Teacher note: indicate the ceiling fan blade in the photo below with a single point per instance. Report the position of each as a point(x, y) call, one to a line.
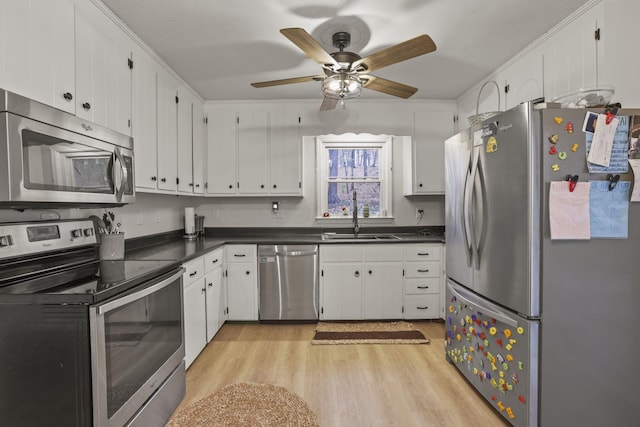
point(287, 81)
point(388, 86)
point(398, 53)
point(308, 45)
point(328, 104)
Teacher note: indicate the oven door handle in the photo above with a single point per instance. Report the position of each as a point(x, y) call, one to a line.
point(102, 309)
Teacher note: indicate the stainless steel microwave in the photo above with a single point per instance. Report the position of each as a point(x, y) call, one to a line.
point(49, 157)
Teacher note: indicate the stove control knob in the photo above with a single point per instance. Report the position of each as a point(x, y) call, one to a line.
point(88, 232)
point(76, 233)
point(6, 240)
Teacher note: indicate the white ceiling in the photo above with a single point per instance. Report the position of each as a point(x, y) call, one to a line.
point(220, 47)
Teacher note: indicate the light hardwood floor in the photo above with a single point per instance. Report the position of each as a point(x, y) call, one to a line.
point(346, 385)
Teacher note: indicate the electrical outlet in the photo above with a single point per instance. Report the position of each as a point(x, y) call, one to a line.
point(419, 213)
point(215, 213)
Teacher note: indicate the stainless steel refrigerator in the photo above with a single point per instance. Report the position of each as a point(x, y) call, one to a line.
point(544, 329)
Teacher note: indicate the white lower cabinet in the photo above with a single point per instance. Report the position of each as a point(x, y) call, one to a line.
point(204, 302)
point(195, 309)
point(380, 281)
point(423, 273)
point(360, 282)
point(242, 282)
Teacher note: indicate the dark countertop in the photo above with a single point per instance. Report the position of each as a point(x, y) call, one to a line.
point(172, 245)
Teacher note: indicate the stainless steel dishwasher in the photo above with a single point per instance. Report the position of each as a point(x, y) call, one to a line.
point(288, 282)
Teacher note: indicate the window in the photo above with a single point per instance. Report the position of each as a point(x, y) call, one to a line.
point(348, 163)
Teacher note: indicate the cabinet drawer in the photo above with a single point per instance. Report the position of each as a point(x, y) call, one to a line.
point(421, 306)
point(242, 253)
point(193, 270)
point(339, 253)
point(422, 253)
point(428, 285)
point(212, 260)
point(422, 269)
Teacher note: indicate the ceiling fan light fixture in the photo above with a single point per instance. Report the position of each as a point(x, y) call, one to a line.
point(342, 86)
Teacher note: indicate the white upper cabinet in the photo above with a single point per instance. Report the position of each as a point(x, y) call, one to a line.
point(167, 91)
point(103, 70)
point(522, 81)
point(37, 52)
point(144, 124)
point(199, 147)
point(253, 153)
point(221, 153)
point(423, 155)
point(285, 153)
point(185, 141)
point(571, 55)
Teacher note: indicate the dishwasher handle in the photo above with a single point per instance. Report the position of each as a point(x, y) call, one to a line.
point(296, 253)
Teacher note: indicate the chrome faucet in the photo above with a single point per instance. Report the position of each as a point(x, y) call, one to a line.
point(356, 227)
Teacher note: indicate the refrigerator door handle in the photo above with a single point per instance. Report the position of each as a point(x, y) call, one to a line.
point(480, 223)
point(469, 300)
point(465, 219)
point(471, 206)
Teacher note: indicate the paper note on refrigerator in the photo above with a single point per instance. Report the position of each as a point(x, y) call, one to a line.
point(569, 211)
point(609, 210)
point(607, 148)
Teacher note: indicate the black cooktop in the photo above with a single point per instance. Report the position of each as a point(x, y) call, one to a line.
point(86, 283)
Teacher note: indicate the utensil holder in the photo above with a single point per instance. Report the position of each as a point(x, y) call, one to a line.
point(112, 246)
point(476, 120)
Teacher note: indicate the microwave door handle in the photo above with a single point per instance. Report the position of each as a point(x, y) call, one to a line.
point(125, 175)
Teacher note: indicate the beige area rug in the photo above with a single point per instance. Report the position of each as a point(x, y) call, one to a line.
point(368, 333)
point(247, 404)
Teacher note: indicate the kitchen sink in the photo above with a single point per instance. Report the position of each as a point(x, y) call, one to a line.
point(359, 236)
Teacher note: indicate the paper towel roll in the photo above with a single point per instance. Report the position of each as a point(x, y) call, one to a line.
point(189, 221)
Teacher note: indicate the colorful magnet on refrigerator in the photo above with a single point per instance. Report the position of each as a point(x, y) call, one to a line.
point(515, 378)
point(492, 145)
point(508, 347)
point(501, 406)
point(520, 366)
point(520, 330)
point(553, 150)
point(507, 332)
point(505, 366)
point(569, 127)
point(558, 120)
point(562, 155)
point(554, 138)
point(574, 147)
point(555, 167)
point(509, 358)
point(493, 330)
point(522, 399)
point(510, 413)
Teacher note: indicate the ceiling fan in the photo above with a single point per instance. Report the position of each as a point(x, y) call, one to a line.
point(346, 73)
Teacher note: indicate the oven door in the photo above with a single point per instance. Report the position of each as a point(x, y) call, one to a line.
point(136, 343)
point(47, 164)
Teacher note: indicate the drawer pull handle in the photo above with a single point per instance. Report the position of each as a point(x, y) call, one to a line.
point(423, 287)
point(423, 253)
point(247, 272)
point(214, 261)
point(210, 284)
point(422, 308)
point(193, 274)
point(357, 274)
point(239, 255)
point(423, 271)
point(203, 289)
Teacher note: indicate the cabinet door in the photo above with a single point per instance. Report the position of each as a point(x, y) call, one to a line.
point(103, 70)
point(199, 145)
point(195, 322)
point(216, 303)
point(426, 171)
point(242, 291)
point(341, 291)
point(185, 141)
point(382, 290)
point(37, 50)
point(286, 154)
point(221, 153)
point(523, 80)
point(167, 132)
point(253, 153)
point(144, 123)
point(571, 55)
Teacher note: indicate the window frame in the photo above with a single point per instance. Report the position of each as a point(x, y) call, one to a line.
point(348, 141)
